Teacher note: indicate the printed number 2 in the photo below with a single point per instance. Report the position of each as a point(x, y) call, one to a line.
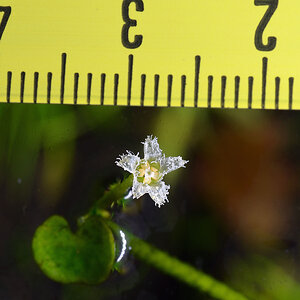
point(138, 39)
point(7, 11)
point(262, 25)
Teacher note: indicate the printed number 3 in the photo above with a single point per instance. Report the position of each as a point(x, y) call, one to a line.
point(7, 11)
point(138, 39)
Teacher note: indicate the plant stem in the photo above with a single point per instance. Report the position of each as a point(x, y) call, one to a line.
point(160, 259)
point(178, 269)
point(115, 193)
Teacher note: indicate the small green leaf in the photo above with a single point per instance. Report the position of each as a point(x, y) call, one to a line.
point(86, 256)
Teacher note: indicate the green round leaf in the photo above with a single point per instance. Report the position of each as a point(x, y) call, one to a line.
point(86, 256)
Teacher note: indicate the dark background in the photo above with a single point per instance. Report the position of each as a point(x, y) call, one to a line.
point(233, 212)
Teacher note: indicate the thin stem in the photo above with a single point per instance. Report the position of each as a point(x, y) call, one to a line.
point(180, 270)
point(115, 193)
point(160, 259)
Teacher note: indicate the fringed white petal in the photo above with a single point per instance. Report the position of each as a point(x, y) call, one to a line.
point(128, 161)
point(139, 189)
point(169, 164)
point(159, 193)
point(151, 149)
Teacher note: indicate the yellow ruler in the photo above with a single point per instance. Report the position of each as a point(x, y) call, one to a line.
point(212, 53)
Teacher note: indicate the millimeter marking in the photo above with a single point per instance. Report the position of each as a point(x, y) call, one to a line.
point(63, 77)
point(156, 86)
point(277, 89)
point(170, 82)
point(35, 87)
point(223, 89)
point(130, 70)
point(116, 86)
point(89, 87)
point(212, 90)
point(183, 84)
point(250, 91)
point(236, 91)
point(264, 82)
point(9, 76)
point(143, 84)
point(49, 85)
point(22, 86)
point(232, 54)
point(197, 74)
point(291, 88)
point(102, 92)
point(210, 86)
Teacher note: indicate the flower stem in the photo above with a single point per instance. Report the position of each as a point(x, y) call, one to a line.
point(160, 259)
point(115, 193)
point(178, 269)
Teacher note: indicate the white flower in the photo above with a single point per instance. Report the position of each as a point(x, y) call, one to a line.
point(149, 171)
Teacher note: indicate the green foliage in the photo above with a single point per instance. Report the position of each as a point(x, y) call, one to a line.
point(184, 272)
point(262, 279)
point(86, 256)
point(115, 194)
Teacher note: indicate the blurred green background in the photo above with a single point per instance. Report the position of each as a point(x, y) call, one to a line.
point(233, 212)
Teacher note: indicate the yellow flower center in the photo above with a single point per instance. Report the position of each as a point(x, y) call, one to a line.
point(148, 173)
